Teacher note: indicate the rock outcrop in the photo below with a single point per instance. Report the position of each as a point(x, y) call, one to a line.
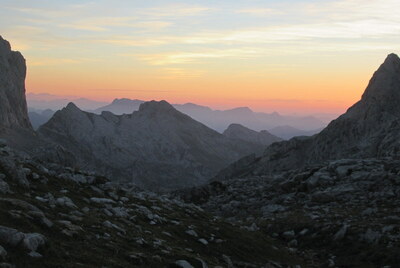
point(370, 128)
point(156, 147)
point(237, 131)
point(13, 109)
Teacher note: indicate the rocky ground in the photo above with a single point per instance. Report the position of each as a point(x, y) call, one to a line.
point(344, 213)
point(58, 217)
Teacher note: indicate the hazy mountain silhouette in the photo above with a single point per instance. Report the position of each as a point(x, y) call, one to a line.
point(47, 101)
point(39, 117)
point(120, 106)
point(236, 131)
point(288, 132)
point(219, 120)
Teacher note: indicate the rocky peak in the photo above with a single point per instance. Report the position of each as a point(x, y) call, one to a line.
point(72, 107)
point(13, 108)
point(392, 63)
point(383, 92)
point(156, 107)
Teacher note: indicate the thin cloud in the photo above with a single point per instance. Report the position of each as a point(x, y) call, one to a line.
point(259, 11)
point(180, 73)
point(175, 11)
point(190, 57)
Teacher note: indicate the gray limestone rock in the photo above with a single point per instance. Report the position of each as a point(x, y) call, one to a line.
point(13, 108)
point(10, 236)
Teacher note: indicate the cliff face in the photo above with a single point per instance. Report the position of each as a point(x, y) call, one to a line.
point(13, 108)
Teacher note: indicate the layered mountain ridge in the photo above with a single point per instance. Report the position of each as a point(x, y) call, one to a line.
point(219, 120)
point(156, 147)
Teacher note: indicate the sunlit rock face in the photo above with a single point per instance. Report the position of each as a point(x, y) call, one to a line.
point(13, 109)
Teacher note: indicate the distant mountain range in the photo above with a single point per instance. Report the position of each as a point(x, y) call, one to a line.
point(39, 117)
point(282, 126)
point(156, 147)
point(288, 132)
point(46, 101)
point(219, 120)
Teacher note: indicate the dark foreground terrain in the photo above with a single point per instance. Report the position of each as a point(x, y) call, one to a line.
point(345, 213)
point(59, 217)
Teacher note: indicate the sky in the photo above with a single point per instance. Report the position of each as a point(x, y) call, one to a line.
point(288, 56)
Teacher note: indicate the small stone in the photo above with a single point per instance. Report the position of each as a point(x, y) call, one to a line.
point(293, 243)
point(10, 236)
point(34, 254)
point(33, 241)
point(192, 233)
point(203, 241)
point(3, 253)
point(341, 233)
point(289, 234)
point(4, 188)
point(228, 261)
point(183, 264)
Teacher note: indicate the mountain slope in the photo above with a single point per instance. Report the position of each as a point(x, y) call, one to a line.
point(236, 131)
point(13, 109)
point(157, 147)
point(370, 128)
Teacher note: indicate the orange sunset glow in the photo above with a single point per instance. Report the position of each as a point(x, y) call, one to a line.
point(292, 57)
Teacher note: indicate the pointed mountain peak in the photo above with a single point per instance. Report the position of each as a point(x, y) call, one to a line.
point(156, 106)
point(391, 63)
point(4, 45)
point(382, 94)
point(72, 107)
